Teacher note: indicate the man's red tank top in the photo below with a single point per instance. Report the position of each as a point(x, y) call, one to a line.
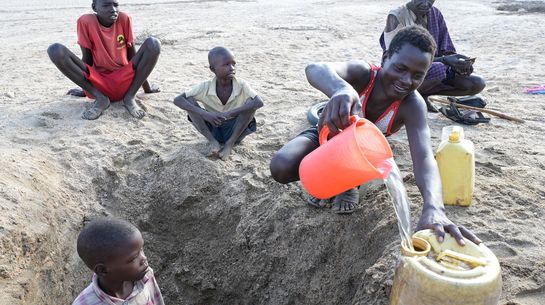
point(385, 121)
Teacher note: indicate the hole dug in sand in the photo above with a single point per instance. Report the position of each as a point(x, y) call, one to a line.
point(222, 233)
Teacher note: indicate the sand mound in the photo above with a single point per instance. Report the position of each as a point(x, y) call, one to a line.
point(233, 239)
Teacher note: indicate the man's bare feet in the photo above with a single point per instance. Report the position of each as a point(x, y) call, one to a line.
point(225, 152)
point(213, 149)
point(101, 103)
point(133, 108)
point(344, 203)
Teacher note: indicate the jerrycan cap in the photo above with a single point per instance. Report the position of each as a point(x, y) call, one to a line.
point(454, 137)
point(447, 131)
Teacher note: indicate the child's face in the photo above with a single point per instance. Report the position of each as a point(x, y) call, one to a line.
point(225, 66)
point(128, 263)
point(107, 11)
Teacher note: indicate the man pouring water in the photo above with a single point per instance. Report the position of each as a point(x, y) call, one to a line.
point(387, 97)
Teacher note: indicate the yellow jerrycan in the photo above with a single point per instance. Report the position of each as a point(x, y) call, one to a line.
point(456, 161)
point(446, 273)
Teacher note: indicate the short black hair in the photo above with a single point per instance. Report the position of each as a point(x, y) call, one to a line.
point(216, 52)
point(101, 237)
point(415, 35)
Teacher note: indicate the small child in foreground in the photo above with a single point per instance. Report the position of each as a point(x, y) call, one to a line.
point(229, 105)
point(113, 249)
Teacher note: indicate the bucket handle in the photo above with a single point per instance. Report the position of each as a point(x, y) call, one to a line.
point(324, 133)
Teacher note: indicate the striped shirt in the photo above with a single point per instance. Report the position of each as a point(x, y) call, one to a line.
point(145, 292)
point(439, 31)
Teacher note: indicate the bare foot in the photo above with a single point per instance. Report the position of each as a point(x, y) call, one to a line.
point(344, 203)
point(101, 103)
point(225, 152)
point(214, 149)
point(133, 108)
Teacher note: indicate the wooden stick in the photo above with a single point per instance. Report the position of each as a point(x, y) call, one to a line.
point(442, 100)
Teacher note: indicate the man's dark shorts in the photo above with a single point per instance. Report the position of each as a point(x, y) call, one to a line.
point(311, 134)
point(223, 132)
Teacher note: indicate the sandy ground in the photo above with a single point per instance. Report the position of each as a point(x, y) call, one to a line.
point(225, 232)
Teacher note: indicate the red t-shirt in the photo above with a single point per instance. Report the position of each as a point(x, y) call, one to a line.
point(108, 45)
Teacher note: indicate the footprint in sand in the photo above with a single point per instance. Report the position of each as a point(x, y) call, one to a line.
point(96, 132)
point(488, 169)
point(158, 119)
point(520, 243)
point(490, 235)
point(269, 146)
point(52, 115)
point(38, 122)
point(501, 249)
point(531, 296)
point(145, 154)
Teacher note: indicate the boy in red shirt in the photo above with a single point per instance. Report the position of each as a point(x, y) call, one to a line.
point(110, 68)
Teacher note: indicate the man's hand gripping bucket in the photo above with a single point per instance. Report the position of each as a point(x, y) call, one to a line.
point(358, 154)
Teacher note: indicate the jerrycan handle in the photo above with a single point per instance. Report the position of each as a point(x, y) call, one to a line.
point(471, 260)
point(324, 133)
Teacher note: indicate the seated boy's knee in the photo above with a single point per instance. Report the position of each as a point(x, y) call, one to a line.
point(153, 44)
point(281, 168)
point(56, 52)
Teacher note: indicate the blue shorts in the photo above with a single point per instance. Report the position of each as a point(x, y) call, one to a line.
point(223, 132)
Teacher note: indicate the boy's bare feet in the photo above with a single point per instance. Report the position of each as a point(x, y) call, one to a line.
point(133, 108)
point(213, 149)
point(344, 203)
point(225, 152)
point(101, 103)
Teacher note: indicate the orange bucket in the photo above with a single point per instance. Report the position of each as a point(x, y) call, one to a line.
point(358, 154)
